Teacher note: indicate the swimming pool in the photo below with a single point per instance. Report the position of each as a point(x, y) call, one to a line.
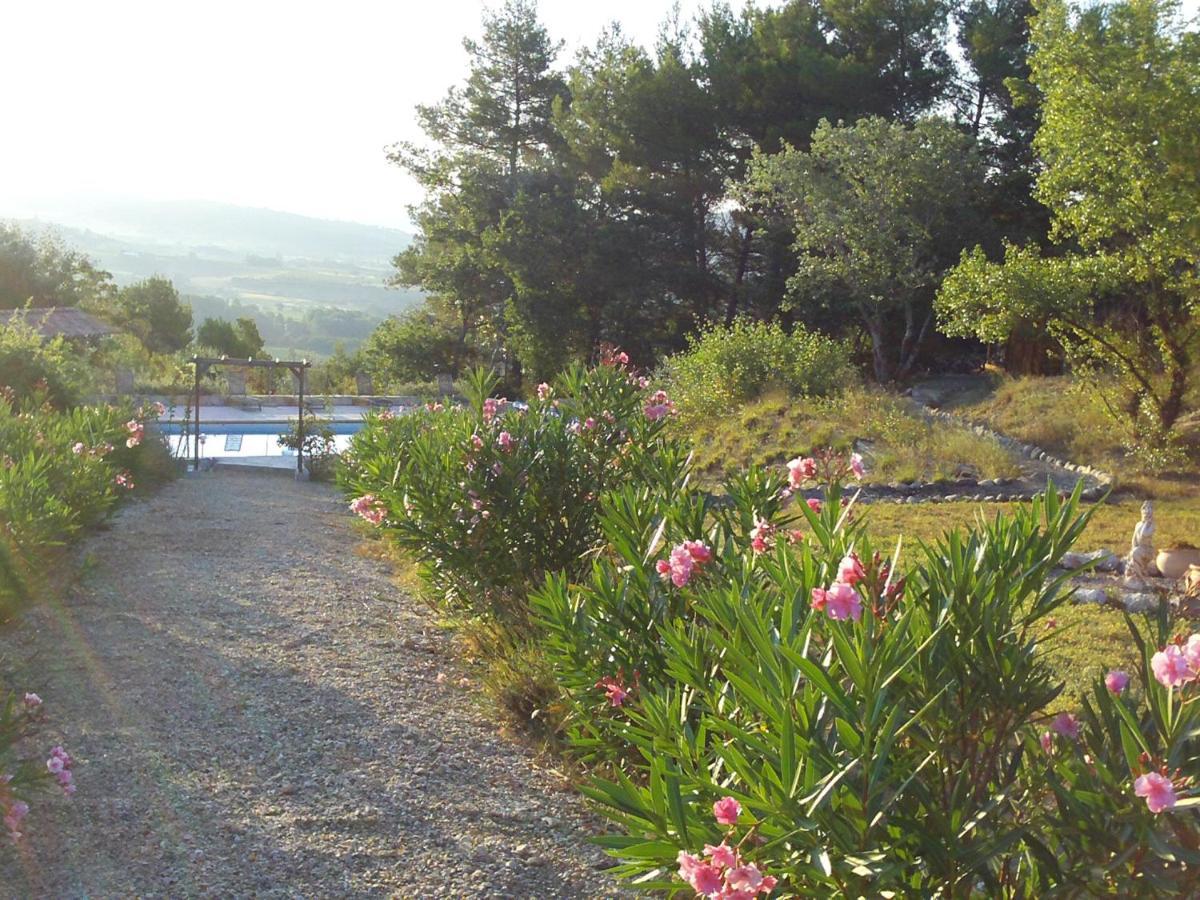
point(244, 440)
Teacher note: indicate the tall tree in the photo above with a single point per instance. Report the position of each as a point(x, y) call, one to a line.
point(1120, 144)
point(152, 311)
point(880, 210)
point(485, 138)
point(39, 269)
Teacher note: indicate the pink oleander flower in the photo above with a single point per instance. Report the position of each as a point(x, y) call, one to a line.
point(795, 536)
point(13, 816)
point(762, 536)
point(706, 879)
point(369, 507)
point(386, 416)
point(722, 855)
point(543, 391)
point(851, 570)
point(801, 469)
point(1171, 666)
point(726, 811)
point(820, 599)
point(658, 406)
point(856, 465)
point(1158, 791)
point(136, 431)
point(1047, 741)
point(843, 602)
point(814, 504)
point(699, 551)
point(616, 692)
point(79, 448)
point(476, 442)
point(1066, 725)
point(1191, 652)
point(107, 448)
point(744, 878)
point(160, 408)
point(1116, 681)
point(506, 442)
point(589, 424)
point(688, 863)
point(492, 407)
point(32, 701)
point(679, 566)
point(125, 480)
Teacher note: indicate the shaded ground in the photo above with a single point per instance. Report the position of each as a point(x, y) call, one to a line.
point(255, 711)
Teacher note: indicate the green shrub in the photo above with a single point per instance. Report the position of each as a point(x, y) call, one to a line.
point(490, 499)
point(893, 751)
point(319, 445)
point(30, 365)
point(724, 367)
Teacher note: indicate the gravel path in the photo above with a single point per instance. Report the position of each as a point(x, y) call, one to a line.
point(255, 712)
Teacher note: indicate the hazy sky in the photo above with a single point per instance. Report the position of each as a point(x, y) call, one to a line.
point(286, 105)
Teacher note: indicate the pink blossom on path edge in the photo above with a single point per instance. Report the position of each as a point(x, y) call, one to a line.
point(369, 507)
point(1158, 791)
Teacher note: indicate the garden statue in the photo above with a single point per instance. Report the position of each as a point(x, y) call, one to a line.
point(1140, 562)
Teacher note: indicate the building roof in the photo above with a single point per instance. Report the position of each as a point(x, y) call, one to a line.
point(58, 321)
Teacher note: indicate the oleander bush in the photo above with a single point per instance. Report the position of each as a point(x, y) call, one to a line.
point(490, 496)
point(61, 471)
point(768, 700)
point(23, 776)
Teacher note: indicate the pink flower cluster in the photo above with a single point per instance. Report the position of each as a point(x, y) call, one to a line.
point(840, 601)
point(658, 406)
point(369, 507)
point(506, 441)
point(683, 561)
point(762, 536)
point(59, 765)
point(136, 432)
point(14, 812)
point(544, 391)
point(125, 480)
point(493, 407)
point(1177, 664)
point(721, 872)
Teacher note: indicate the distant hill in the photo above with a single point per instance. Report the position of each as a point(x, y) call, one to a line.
point(215, 228)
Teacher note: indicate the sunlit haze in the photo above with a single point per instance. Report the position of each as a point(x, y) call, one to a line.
point(284, 105)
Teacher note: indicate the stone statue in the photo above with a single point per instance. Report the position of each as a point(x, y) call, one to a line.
point(1140, 562)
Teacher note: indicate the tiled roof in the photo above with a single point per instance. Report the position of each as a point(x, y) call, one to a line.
point(58, 321)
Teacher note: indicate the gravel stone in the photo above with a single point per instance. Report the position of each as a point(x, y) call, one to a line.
point(255, 712)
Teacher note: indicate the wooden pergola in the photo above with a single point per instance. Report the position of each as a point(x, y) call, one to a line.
point(296, 367)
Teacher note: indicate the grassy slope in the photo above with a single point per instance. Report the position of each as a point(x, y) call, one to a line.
point(898, 444)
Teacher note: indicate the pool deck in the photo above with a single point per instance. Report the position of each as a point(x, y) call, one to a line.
point(221, 414)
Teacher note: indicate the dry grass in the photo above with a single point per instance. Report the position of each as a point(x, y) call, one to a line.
point(899, 445)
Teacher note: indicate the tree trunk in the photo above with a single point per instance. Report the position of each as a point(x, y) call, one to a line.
point(731, 308)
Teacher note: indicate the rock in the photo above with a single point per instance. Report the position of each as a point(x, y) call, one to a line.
point(1139, 602)
point(1090, 595)
point(1105, 560)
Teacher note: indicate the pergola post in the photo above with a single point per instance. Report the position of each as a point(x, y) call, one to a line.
point(196, 420)
point(299, 370)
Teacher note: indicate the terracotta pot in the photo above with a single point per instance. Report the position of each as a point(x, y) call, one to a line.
point(1173, 563)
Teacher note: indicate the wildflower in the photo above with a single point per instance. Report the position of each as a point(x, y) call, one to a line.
point(1158, 791)
point(800, 470)
point(1066, 725)
point(543, 391)
point(851, 570)
point(843, 602)
point(1171, 666)
point(32, 701)
point(1116, 681)
point(136, 431)
point(726, 811)
point(370, 508)
point(856, 465)
point(506, 442)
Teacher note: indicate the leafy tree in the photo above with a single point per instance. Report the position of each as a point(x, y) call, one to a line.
point(414, 346)
point(40, 270)
point(880, 210)
point(1120, 142)
point(239, 339)
point(152, 311)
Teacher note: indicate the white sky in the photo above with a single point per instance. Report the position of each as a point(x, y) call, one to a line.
point(285, 104)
